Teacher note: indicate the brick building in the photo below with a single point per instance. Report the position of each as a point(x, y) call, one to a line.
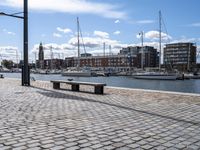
point(127, 58)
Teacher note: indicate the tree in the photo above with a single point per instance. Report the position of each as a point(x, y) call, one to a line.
point(7, 63)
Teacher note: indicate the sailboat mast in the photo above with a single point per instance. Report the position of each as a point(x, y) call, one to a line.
point(160, 40)
point(142, 50)
point(78, 42)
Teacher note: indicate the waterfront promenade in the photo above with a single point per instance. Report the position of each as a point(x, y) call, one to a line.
point(39, 117)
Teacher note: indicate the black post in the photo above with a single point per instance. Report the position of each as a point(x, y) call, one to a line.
point(25, 72)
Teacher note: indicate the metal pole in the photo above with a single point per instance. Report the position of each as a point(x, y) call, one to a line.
point(160, 40)
point(188, 63)
point(142, 52)
point(110, 48)
point(104, 49)
point(25, 72)
point(35, 60)
point(78, 65)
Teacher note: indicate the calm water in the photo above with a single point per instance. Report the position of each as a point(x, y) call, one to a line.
point(189, 86)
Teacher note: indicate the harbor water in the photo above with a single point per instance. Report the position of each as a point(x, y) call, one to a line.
point(188, 86)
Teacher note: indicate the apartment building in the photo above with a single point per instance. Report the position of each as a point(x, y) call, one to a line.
point(181, 56)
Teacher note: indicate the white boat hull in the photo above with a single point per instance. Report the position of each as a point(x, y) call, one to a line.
point(156, 77)
point(77, 74)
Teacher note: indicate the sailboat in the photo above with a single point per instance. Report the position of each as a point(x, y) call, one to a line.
point(155, 75)
point(77, 72)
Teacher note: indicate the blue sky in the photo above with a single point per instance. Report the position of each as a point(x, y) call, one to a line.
point(115, 22)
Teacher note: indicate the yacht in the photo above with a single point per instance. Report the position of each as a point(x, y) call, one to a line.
point(78, 72)
point(155, 75)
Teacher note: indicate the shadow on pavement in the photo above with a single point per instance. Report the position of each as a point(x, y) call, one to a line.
point(55, 94)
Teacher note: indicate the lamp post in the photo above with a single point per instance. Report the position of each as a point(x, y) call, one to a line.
point(142, 50)
point(25, 68)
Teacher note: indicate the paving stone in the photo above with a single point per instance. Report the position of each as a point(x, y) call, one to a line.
point(193, 147)
point(107, 143)
point(47, 145)
point(39, 117)
point(134, 146)
point(86, 148)
point(136, 138)
point(19, 144)
point(82, 141)
point(73, 148)
point(34, 148)
point(123, 148)
point(146, 146)
point(20, 148)
point(127, 141)
point(71, 144)
point(110, 147)
point(33, 145)
point(58, 148)
point(10, 143)
point(60, 142)
point(6, 148)
point(85, 145)
point(47, 141)
point(180, 146)
point(160, 148)
point(96, 146)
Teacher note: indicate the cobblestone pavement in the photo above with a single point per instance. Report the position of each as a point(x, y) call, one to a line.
point(39, 117)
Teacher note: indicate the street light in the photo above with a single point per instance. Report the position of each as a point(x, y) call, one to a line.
point(25, 68)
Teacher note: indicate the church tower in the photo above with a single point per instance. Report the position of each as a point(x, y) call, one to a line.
point(41, 52)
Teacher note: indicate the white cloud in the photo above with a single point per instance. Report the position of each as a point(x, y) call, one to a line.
point(64, 30)
point(57, 35)
point(101, 34)
point(141, 21)
point(59, 50)
point(71, 6)
point(117, 21)
point(117, 32)
point(93, 45)
point(145, 21)
point(195, 24)
point(8, 32)
point(9, 53)
point(11, 33)
point(153, 35)
point(184, 40)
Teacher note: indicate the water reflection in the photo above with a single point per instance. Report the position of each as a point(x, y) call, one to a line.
point(190, 86)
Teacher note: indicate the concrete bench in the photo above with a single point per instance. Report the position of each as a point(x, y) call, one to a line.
point(75, 85)
point(1, 76)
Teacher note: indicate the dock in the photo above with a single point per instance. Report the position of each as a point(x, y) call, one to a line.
point(40, 117)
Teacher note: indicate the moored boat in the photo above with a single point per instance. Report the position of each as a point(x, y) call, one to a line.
point(77, 73)
point(155, 76)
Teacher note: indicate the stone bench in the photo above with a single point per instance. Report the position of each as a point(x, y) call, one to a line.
point(75, 85)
